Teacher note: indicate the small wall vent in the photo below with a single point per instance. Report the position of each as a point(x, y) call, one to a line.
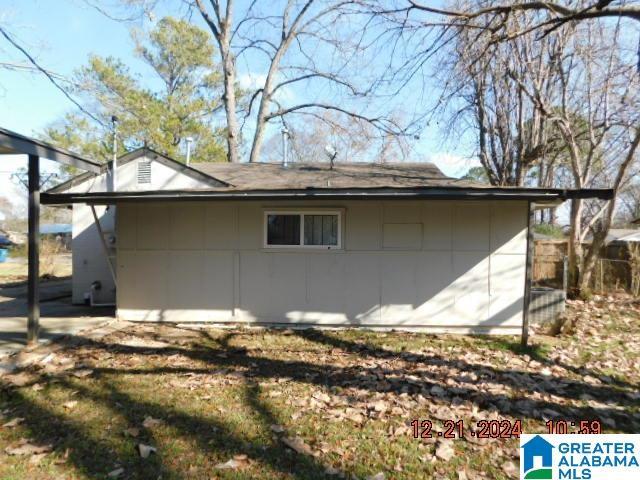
point(144, 172)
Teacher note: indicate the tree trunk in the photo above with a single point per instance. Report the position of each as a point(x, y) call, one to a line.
point(584, 282)
point(230, 108)
point(575, 245)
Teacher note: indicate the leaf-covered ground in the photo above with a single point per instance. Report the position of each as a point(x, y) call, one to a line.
point(160, 401)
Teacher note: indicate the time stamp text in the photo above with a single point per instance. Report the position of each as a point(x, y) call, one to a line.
point(489, 429)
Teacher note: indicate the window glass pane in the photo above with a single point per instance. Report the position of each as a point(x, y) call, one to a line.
point(321, 229)
point(283, 229)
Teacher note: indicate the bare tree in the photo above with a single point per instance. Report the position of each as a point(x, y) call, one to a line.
point(483, 92)
point(319, 61)
point(352, 140)
point(556, 14)
point(563, 103)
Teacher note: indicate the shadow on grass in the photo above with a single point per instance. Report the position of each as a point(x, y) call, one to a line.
point(530, 394)
point(94, 456)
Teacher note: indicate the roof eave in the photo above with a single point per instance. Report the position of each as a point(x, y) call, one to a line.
point(539, 196)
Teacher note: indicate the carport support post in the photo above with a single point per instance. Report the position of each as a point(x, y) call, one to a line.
point(33, 294)
point(528, 276)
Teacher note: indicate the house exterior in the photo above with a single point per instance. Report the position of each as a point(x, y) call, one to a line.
point(375, 245)
point(140, 170)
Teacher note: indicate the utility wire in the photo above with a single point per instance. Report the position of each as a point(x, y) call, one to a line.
point(49, 76)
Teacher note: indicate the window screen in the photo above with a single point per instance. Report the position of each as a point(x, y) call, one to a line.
point(321, 230)
point(313, 229)
point(283, 229)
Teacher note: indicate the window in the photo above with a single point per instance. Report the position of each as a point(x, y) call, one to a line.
point(144, 171)
point(313, 229)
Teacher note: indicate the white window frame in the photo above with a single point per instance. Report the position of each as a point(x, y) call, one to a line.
point(302, 213)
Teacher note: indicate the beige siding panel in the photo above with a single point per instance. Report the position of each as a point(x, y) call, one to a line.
point(142, 292)
point(402, 236)
point(185, 287)
point(127, 218)
point(187, 226)
point(507, 289)
point(127, 291)
point(401, 212)
point(471, 227)
point(327, 299)
point(153, 227)
point(272, 284)
point(345, 288)
point(362, 288)
point(509, 228)
point(452, 284)
point(250, 226)
point(470, 288)
point(221, 226)
point(415, 288)
point(218, 284)
point(200, 287)
point(438, 225)
point(363, 226)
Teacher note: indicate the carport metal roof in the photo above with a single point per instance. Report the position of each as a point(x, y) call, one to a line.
point(15, 143)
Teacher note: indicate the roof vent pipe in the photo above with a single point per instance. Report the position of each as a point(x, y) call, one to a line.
point(189, 140)
point(285, 138)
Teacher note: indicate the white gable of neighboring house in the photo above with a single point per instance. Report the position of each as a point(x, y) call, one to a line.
point(142, 170)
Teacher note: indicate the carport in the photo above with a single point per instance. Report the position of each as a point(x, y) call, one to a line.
point(12, 143)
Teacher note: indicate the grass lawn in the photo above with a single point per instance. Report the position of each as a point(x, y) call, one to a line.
point(306, 404)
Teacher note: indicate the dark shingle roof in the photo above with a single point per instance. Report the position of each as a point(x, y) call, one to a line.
point(274, 176)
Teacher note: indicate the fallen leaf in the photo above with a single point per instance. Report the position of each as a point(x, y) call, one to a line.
point(70, 405)
point(238, 461)
point(322, 397)
point(444, 451)
point(115, 473)
point(19, 379)
point(380, 406)
point(28, 449)
point(146, 450)
point(277, 428)
point(132, 432)
point(510, 469)
point(150, 422)
point(377, 476)
point(297, 444)
point(82, 373)
point(37, 458)
point(230, 464)
point(13, 423)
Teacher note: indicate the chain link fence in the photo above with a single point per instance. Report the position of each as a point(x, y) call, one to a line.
point(610, 275)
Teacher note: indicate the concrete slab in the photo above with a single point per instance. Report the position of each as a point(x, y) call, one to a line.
point(58, 315)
